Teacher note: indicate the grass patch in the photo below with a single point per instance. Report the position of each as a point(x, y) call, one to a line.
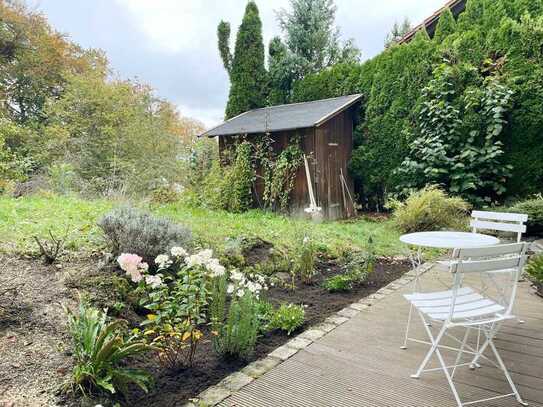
point(22, 218)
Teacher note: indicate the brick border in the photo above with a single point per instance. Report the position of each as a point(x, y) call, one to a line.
point(230, 384)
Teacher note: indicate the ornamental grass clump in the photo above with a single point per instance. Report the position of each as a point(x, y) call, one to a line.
point(430, 209)
point(100, 348)
point(130, 230)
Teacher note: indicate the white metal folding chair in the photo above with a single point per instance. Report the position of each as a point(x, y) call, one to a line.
point(465, 307)
point(499, 221)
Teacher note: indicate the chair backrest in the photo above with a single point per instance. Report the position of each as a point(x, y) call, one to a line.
point(498, 267)
point(500, 221)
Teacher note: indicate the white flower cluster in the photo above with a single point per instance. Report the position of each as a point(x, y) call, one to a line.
point(239, 283)
point(203, 258)
point(163, 261)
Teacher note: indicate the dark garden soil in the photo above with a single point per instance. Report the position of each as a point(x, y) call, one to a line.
point(35, 347)
point(174, 388)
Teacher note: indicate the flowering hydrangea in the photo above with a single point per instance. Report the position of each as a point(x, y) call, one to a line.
point(163, 261)
point(215, 268)
point(199, 259)
point(177, 251)
point(154, 281)
point(133, 266)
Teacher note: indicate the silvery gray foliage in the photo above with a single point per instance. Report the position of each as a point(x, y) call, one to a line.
point(129, 230)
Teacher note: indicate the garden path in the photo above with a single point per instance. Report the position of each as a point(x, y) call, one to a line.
point(360, 363)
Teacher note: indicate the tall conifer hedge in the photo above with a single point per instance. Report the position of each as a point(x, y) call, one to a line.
point(499, 37)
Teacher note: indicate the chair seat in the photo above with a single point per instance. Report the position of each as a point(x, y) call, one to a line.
point(469, 305)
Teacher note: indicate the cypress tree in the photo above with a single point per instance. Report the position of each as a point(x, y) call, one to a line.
point(248, 76)
point(445, 26)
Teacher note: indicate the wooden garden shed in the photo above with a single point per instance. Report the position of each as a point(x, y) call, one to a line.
point(325, 130)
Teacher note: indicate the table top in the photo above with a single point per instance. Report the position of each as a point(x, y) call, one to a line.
point(449, 240)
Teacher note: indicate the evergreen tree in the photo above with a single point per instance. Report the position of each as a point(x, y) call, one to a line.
point(282, 72)
point(445, 26)
point(248, 76)
point(397, 33)
point(311, 44)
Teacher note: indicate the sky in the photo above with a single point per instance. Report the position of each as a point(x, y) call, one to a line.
point(172, 44)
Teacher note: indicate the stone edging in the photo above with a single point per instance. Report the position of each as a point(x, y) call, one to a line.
point(229, 385)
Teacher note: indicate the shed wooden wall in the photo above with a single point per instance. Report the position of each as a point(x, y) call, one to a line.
point(328, 148)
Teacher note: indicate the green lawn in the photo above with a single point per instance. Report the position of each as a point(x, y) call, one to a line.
point(22, 218)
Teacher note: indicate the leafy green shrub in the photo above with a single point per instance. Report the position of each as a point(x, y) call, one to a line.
point(179, 309)
point(165, 194)
point(534, 269)
point(534, 209)
point(457, 138)
point(430, 209)
point(339, 283)
point(358, 266)
point(288, 318)
point(130, 230)
point(100, 348)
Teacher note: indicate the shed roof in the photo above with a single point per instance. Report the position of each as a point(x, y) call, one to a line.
point(284, 117)
point(430, 24)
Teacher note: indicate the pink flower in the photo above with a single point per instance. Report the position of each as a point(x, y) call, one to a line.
point(131, 264)
point(135, 275)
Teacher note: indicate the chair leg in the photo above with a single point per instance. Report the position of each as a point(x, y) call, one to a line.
point(434, 347)
point(506, 373)
point(449, 378)
point(461, 351)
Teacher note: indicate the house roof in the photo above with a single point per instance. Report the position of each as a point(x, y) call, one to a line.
point(430, 24)
point(284, 117)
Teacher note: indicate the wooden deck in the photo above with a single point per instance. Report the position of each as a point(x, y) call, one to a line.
point(360, 363)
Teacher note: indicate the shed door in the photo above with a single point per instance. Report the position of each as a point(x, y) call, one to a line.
point(333, 185)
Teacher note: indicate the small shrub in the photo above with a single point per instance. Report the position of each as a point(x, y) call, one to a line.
point(305, 257)
point(100, 349)
point(129, 230)
point(164, 195)
point(51, 248)
point(534, 209)
point(288, 318)
point(235, 336)
point(178, 311)
point(265, 313)
point(534, 269)
point(430, 209)
point(339, 283)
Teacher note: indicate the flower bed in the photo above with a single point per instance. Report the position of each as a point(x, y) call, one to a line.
point(175, 386)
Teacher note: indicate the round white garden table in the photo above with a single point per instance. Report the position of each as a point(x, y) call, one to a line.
point(439, 240)
point(448, 240)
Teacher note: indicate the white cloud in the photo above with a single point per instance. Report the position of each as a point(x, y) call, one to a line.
point(181, 25)
point(210, 117)
point(180, 40)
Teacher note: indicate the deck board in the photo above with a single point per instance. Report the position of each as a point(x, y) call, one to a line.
point(360, 363)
